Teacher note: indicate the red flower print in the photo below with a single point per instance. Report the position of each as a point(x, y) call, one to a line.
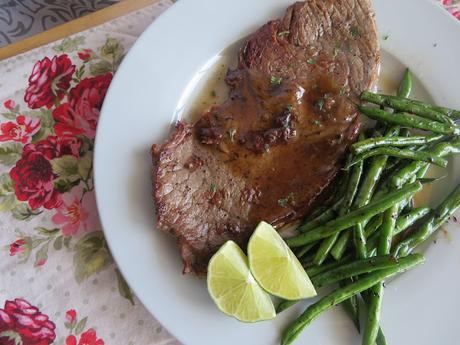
point(71, 340)
point(87, 338)
point(33, 181)
point(21, 131)
point(54, 147)
point(9, 104)
point(17, 247)
point(49, 81)
point(33, 327)
point(85, 54)
point(81, 114)
point(71, 315)
point(70, 123)
point(33, 175)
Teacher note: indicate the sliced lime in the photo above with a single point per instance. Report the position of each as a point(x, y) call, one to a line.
point(234, 289)
point(275, 266)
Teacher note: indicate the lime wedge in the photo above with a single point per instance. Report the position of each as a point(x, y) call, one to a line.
point(275, 266)
point(234, 289)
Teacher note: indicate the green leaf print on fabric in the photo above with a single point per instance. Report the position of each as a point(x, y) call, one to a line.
point(10, 153)
point(69, 45)
point(91, 256)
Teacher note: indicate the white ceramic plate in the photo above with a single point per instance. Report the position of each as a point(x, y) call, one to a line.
point(150, 91)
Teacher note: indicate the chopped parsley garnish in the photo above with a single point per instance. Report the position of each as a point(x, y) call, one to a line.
point(213, 94)
point(289, 107)
point(317, 123)
point(342, 92)
point(213, 187)
point(355, 32)
point(286, 201)
point(274, 80)
point(386, 37)
point(311, 61)
point(283, 33)
point(283, 202)
point(320, 103)
point(231, 133)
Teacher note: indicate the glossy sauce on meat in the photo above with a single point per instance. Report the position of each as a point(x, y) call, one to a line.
point(273, 133)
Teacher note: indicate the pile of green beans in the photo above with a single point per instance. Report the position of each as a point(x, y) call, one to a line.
point(358, 239)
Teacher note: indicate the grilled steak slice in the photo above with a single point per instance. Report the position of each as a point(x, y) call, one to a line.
point(275, 145)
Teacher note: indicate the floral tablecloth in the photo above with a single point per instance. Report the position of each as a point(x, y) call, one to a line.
point(58, 281)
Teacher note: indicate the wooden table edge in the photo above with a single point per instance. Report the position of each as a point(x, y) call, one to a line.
point(74, 26)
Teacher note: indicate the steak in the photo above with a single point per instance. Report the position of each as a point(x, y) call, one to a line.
point(274, 146)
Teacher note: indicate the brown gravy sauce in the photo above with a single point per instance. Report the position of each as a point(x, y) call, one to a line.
point(271, 133)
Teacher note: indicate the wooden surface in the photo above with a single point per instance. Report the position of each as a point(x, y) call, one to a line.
point(77, 25)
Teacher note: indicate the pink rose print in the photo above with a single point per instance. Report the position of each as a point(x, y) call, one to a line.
point(76, 214)
point(21, 131)
point(9, 104)
point(49, 81)
point(81, 114)
point(27, 322)
point(17, 247)
point(85, 54)
point(87, 338)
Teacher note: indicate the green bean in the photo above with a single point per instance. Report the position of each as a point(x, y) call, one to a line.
point(321, 219)
point(404, 105)
point(372, 143)
point(407, 120)
point(365, 194)
point(455, 114)
point(441, 150)
point(352, 269)
point(341, 245)
point(403, 223)
point(344, 238)
point(316, 213)
point(351, 307)
point(315, 270)
point(374, 306)
point(285, 304)
point(324, 249)
point(374, 302)
point(342, 294)
point(373, 225)
point(431, 225)
point(355, 216)
point(352, 188)
point(344, 271)
point(304, 250)
point(409, 219)
point(405, 86)
point(400, 153)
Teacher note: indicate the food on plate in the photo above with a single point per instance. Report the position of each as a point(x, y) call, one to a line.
point(271, 151)
point(282, 150)
point(234, 289)
point(275, 267)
